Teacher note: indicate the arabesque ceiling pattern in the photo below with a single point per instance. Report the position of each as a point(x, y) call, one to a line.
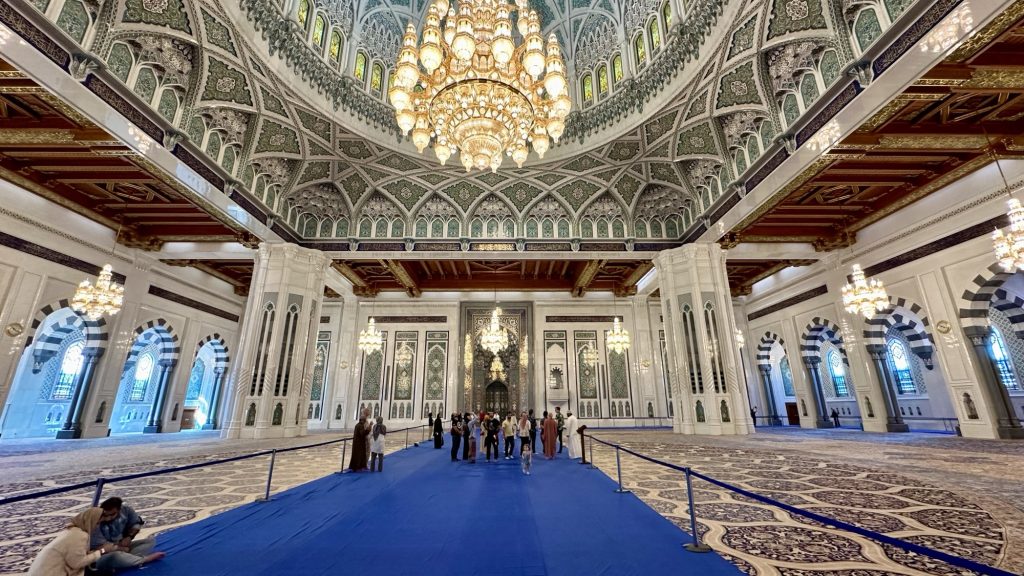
point(206, 69)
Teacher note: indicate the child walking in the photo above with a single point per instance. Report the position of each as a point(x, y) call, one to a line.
point(525, 452)
point(377, 444)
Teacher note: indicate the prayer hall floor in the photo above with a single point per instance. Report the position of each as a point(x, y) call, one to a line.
point(958, 495)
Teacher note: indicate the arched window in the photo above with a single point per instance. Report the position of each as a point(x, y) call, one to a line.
point(838, 372)
point(335, 51)
point(602, 80)
point(655, 35)
point(588, 87)
point(1001, 358)
point(639, 50)
point(377, 77)
point(360, 69)
point(303, 12)
point(617, 72)
point(319, 28)
point(787, 377)
point(70, 366)
point(666, 13)
point(143, 371)
point(899, 361)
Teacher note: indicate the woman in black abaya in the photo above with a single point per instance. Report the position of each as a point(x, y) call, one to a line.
point(438, 432)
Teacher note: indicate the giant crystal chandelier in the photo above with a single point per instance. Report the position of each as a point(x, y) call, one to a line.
point(105, 297)
point(1009, 245)
point(618, 339)
point(864, 296)
point(493, 337)
point(370, 339)
point(468, 87)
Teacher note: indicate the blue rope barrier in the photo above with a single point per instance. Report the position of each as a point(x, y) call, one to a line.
point(50, 492)
point(908, 546)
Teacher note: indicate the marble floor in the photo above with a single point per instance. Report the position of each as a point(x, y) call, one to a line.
point(957, 495)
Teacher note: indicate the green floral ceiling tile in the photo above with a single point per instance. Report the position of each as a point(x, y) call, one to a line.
point(463, 194)
point(551, 178)
point(315, 171)
point(743, 38)
point(315, 124)
point(272, 103)
point(376, 176)
point(659, 126)
point(400, 163)
point(406, 192)
point(622, 151)
point(627, 187)
point(226, 84)
point(277, 138)
point(491, 178)
point(639, 169)
point(582, 164)
point(218, 34)
point(433, 178)
point(317, 150)
point(897, 7)
point(166, 13)
point(355, 149)
point(696, 140)
point(698, 105)
point(738, 87)
point(40, 4)
point(608, 175)
point(355, 187)
point(666, 172)
point(790, 16)
point(578, 192)
point(74, 20)
point(521, 194)
point(340, 166)
point(662, 151)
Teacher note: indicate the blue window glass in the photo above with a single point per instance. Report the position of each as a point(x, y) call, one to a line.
point(787, 377)
point(836, 369)
point(143, 370)
point(70, 366)
point(900, 363)
point(1001, 358)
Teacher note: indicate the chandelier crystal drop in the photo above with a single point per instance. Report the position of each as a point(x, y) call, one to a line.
point(1009, 245)
point(618, 338)
point(466, 85)
point(494, 338)
point(370, 339)
point(105, 297)
point(864, 296)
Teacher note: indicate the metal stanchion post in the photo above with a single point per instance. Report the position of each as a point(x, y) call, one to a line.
point(344, 448)
point(99, 491)
point(592, 465)
point(406, 437)
point(696, 545)
point(270, 475)
point(618, 468)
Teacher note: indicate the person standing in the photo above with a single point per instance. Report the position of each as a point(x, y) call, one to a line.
point(438, 433)
point(472, 430)
point(457, 432)
point(753, 414)
point(575, 445)
point(525, 454)
point(467, 432)
point(533, 432)
point(68, 554)
point(835, 417)
point(493, 427)
point(508, 429)
point(549, 434)
point(560, 420)
point(360, 435)
point(377, 444)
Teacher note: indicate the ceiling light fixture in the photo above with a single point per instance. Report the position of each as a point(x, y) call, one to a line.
point(864, 296)
point(1009, 245)
point(470, 89)
point(371, 340)
point(106, 297)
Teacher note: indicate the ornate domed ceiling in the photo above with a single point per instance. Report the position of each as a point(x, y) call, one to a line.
point(674, 102)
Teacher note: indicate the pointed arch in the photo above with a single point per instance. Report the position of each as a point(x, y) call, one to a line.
point(764, 347)
point(908, 319)
point(975, 300)
point(819, 330)
point(220, 348)
point(158, 330)
point(96, 336)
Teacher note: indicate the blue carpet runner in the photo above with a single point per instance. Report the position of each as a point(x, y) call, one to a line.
point(426, 516)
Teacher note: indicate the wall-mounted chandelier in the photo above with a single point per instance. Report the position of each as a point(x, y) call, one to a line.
point(370, 339)
point(618, 338)
point(864, 296)
point(105, 297)
point(493, 337)
point(469, 88)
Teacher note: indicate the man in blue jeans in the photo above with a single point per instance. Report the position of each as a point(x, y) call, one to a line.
point(119, 525)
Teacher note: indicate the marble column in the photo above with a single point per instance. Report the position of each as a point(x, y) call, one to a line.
point(277, 344)
point(893, 420)
point(695, 289)
point(156, 417)
point(73, 424)
point(769, 395)
point(1007, 424)
point(218, 379)
point(814, 369)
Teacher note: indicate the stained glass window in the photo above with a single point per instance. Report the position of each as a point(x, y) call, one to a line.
point(303, 13)
point(639, 50)
point(70, 366)
point(335, 51)
point(1002, 361)
point(655, 35)
point(377, 78)
point(360, 70)
point(666, 12)
point(143, 371)
point(318, 31)
point(836, 369)
point(617, 68)
point(588, 87)
point(900, 362)
point(787, 377)
point(195, 382)
point(602, 79)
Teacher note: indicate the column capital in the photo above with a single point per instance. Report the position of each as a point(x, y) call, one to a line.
point(812, 360)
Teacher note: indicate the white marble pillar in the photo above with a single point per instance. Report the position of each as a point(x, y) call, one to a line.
point(710, 398)
point(271, 386)
point(646, 346)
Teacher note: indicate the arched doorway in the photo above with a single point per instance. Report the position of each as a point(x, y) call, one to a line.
point(151, 359)
point(202, 396)
point(496, 398)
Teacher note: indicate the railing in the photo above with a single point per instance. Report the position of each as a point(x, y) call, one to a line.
point(695, 545)
point(949, 425)
point(99, 483)
point(638, 422)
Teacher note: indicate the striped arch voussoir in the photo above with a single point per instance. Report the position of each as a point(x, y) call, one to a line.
point(1011, 305)
point(220, 349)
point(906, 317)
point(764, 348)
point(48, 336)
point(818, 331)
point(975, 300)
point(155, 330)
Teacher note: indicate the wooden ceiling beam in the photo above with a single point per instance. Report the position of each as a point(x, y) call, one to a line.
point(586, 277)
point(403, 277)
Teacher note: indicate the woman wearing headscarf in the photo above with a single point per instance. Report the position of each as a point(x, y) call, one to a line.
point(68, 554)
point(438, 432)
point(456, 436)
point(377, 444)
point(360, 441)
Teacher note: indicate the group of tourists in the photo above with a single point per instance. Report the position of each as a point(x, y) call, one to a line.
point(487, 431)
point(102, 538)
point(368, 444)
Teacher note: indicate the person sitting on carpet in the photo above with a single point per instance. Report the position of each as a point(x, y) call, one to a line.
point(68, 554)
point(377, 444)
point(119, 525)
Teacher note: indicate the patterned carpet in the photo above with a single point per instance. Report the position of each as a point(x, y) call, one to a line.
point(765, 540)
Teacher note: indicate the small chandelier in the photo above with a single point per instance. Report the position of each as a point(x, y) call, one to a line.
point(467, 86)
point(618, 338)
point(1009, 245)
point(371, 340)
point(590, 355)
point(404, 355)
point(864, 296)
point(106, 297)
point(494, 338)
